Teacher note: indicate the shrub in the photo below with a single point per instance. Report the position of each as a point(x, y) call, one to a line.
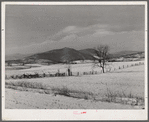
point(26, 84)
point(61, 91)
point(86, 97)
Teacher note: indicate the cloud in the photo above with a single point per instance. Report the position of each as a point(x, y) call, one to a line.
point(70, 38)
point(65, 32)
point(102, 32)
point(31, 48)
point(71, 31)
point(133, 40)
point(70, 35)
point(74, 33)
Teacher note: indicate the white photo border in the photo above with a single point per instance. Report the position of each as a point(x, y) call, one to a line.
point(56, 114)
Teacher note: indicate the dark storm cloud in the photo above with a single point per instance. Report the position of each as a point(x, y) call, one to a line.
point(29, 26)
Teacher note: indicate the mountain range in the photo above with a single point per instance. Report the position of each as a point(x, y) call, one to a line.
point(63, 55)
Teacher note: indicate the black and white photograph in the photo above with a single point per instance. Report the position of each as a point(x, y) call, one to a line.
point(81, 58)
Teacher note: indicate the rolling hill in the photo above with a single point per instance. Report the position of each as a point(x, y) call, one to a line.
point(66, 54)
point(88, 51)
point(124, 53)
point(59, 56)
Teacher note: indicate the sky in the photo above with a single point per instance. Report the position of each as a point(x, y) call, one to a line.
point(39, 28)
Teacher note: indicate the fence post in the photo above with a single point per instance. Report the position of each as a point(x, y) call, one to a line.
point(71, 73)
point(90, 72)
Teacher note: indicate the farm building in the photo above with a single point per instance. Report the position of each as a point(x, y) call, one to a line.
point(14, 62)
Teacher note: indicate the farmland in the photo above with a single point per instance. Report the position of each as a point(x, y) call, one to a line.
point(75, 68)
point(122, 86)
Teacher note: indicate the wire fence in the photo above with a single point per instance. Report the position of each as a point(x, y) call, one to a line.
point(64, 74)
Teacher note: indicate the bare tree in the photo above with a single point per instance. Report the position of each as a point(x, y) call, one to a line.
point(101, 57)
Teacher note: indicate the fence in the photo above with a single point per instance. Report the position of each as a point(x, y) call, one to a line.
point(58, 74)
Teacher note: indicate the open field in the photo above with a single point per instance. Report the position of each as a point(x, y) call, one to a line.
point(122, 88)
point(30, 100)
point(84, 67)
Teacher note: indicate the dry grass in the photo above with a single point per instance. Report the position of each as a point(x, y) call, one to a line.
point(62, 91)
point(72, 93)
point(109, 95)
point(26, 84)
point(122, 97)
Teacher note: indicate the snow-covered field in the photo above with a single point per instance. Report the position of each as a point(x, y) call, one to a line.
point(86, 67)
point(129, 80)
point(28, 100)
